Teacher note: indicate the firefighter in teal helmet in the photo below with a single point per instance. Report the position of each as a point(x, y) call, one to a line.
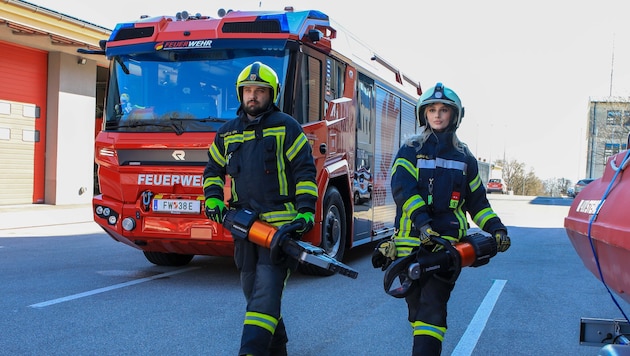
point(435, 182)
point(269, 162)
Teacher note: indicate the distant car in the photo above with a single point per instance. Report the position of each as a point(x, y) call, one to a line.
point(496, 185)
point(580, 185)
point(571, 192)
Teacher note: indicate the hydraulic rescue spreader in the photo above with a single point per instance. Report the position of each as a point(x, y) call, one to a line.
point(447, 259)
point(244, 224)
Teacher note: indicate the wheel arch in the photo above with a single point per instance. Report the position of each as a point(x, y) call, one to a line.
point(335, 175)
point(340, 183)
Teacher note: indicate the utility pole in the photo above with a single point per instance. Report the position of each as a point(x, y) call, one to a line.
point(612, 66)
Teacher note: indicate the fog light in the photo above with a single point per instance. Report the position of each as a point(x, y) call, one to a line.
point(112, 220)
point(128, 224)
point(99, 210)
point(106, 212)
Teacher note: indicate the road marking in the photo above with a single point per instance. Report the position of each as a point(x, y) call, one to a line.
point(467, 343)
point(107, 289)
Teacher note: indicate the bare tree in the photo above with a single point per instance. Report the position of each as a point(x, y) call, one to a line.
point(533, 184)
point(519, 181)
point(557, 186)
point(511, 173)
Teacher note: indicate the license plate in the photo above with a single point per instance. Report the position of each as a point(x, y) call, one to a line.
point(176, 206)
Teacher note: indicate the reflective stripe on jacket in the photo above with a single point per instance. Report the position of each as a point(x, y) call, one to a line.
point(436, 184)
point(269, 162)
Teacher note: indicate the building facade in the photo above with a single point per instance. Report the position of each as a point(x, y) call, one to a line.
point(608, 128)
point(50, 98)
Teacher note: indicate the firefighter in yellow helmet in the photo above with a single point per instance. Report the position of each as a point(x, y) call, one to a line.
point(269, 162)
point(435, 182)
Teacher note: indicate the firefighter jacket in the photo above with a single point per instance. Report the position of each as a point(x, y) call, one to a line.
point(269, 163)
point(437, 184)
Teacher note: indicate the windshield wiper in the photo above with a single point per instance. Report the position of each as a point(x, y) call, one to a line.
point(208, 119)
point(177, 129)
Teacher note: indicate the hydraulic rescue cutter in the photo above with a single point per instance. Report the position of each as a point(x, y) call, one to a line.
point(244, 224)
point(447, 259)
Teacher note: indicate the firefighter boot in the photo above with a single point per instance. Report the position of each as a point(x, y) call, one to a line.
point(424, 345)
point(254, 341)
point(278, 345)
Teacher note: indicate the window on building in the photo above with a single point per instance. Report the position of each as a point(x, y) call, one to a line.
point(613, 117)
point(611, 149)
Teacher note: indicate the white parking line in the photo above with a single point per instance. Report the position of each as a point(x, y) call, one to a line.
point(467, 343)
point(107, 289)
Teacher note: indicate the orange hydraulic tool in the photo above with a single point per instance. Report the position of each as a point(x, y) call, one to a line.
point(410, 272)
point(244, 224)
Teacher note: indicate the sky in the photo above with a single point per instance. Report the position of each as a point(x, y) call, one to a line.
point(524, 70)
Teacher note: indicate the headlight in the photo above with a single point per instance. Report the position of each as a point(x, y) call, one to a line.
point(104, 212)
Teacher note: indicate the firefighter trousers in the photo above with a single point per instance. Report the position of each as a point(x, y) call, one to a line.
point(427, 314)
point(263, 283)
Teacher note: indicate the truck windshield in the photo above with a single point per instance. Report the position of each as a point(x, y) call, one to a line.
point(180, 92)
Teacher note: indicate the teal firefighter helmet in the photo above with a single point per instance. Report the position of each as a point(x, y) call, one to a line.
point(440, 94)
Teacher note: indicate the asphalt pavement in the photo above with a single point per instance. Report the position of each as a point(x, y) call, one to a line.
point(75, 295)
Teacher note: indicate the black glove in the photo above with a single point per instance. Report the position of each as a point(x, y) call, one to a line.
point(277, 255)
point(503, 240)
point(306, 221)
point(215, 210)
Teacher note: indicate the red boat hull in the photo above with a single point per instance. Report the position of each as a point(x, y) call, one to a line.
point(610, 231)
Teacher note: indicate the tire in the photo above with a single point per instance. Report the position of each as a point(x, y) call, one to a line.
point(334, 231)
point(168, 259)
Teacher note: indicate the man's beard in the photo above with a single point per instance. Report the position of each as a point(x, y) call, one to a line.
point(255, 110)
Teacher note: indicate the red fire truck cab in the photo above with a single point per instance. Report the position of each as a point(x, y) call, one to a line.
point(172, 85)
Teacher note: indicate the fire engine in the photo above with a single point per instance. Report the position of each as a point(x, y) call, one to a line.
point(172, 84)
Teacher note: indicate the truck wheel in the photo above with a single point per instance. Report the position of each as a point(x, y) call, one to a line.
point(333, 232)
point(167, 259)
